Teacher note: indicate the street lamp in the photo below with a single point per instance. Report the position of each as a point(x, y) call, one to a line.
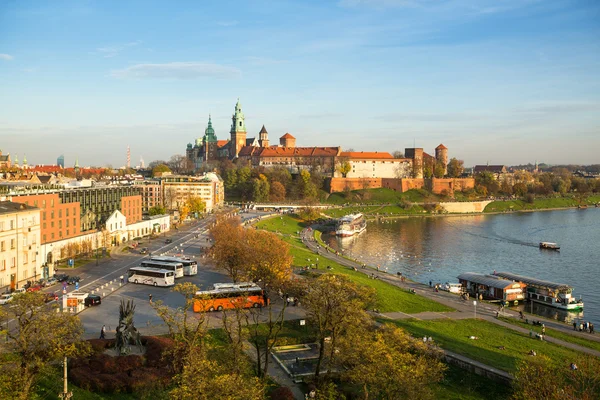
point(475, 308)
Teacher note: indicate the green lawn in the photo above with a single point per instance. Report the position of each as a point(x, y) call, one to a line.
point(459, 384)
point(592, 344)
point(538, 204)
point(454, 335)
point(380, 196)
point(340, 212)
point(285, 224)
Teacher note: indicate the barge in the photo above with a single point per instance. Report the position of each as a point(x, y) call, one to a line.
point(558, 295)
point(350, 225)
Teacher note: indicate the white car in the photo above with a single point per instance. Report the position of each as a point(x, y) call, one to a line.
point(19, 291)
point(6, 298)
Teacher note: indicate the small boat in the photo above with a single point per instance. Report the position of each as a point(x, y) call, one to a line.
point(549, 246)
point(456, 288)
point(350, 225)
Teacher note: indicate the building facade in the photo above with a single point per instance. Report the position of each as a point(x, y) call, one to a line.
point(178, 189)
point(19, 245)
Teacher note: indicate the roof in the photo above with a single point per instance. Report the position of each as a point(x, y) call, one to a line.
point(533, 281)
point(275, 151)
point(250, 141)
point(287, 136)
point(263, 130)
point(490, 168)
point(487, 280)
point(11, 207)
point(441, 146)
point(366, 154)
point(222, 143)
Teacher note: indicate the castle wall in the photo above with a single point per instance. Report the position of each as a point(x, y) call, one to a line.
point(450, 185)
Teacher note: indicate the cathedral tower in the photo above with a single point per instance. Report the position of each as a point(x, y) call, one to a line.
point(263, 140)
point(210, 142)
point(238, 131)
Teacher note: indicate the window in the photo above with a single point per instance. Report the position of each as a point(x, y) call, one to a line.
point(74, 223)
point(59, 234)
point(12, 225)
point(52, 203)
point(44, 225)
point(59, 213)
point(13, 262)
point(44, 238)
point(2, 246)
point(67, 223)
point(3, 265)
point(24, 241)
point(52, 214)
point(25, 258)
point(43, 215)
point(12, 243)
point(52, 235)
point(67, 212)
point(51, 224)
point(44, 203)
point(67, 232)
point(60, 223)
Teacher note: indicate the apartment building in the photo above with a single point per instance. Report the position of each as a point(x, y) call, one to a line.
point(19, 245)
point(178, 189)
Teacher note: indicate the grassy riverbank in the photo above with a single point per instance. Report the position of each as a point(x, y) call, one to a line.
point(539, 204)
point(388, 297)
point(454, 335)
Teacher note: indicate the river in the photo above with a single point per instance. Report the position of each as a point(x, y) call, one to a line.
point(440, 248)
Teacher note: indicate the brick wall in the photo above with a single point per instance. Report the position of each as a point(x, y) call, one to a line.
point(450, 185)
point(340, 184)
point(401, 185)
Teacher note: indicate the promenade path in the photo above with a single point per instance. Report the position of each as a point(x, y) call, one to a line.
point(464, 309)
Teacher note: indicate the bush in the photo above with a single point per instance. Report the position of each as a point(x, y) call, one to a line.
point(529, 198)
point(154, 349)
point(99, 345)
point(282, 393)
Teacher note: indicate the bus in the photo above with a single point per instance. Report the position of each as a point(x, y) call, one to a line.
point(227, 296)
point(151, 276)
point(177, 268)
point(190, 267)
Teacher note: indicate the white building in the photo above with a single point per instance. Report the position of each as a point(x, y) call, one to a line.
point(19, 245)
point(178, 189)
point(374, 164)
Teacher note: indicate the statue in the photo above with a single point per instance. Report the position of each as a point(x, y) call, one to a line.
point(126, 332)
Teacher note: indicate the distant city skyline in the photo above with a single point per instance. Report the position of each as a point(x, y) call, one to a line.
point(499, 81)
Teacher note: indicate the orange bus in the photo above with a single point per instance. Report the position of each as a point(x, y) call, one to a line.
point(227, 296)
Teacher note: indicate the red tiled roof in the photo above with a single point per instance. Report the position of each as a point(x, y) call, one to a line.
point(47, 168)
point(275, 151)
point(287, 136)
point(221, 143)
point(441, 146)
point(425, 155)
point(490, 168)
point(366, 154)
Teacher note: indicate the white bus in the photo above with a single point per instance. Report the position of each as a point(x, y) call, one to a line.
point(177, 268)
point(190, 267)
point(151, 276)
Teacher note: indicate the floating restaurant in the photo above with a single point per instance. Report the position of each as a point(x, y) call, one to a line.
point(492, 287)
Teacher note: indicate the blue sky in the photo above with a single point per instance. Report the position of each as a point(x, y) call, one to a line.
point(498, 81)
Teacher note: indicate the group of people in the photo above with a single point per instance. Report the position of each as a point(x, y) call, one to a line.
point(583, 326)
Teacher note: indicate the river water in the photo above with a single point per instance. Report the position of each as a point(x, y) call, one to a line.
point(441, 248)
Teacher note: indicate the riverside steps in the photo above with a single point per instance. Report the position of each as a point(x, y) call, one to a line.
point(464, 309)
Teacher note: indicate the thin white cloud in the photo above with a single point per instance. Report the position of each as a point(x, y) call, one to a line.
point(6, 57)
point(177, 70)
point(115, 50)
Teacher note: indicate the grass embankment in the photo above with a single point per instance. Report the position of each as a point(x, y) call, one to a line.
point(388, 297)
point(454, 335)
point(583, 342)
point(538, 204)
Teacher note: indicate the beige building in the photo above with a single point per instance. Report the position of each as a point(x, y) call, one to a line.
point(374, 164)
point(178, 189)
point(19, 245)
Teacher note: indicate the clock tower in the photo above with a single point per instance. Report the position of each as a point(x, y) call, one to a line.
point(238, 131)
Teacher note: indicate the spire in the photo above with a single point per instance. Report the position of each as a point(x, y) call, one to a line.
point(263, 130)
point(24, 160)
point(77, 162)
point(16, 162)
point(209, 133)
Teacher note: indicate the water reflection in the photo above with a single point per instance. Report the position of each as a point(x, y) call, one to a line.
point(439, 249)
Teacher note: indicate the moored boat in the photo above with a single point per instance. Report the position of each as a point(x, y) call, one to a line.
point(350, 225)
point(557, 295)
point(549, 246)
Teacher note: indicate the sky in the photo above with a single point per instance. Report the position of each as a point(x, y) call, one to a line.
point(496, 81)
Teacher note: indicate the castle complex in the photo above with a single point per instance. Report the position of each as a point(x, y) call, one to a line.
point(327, 160)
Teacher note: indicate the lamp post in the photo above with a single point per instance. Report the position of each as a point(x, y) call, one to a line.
point(475, 308)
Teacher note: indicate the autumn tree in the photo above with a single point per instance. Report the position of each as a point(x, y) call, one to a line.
point(260, 188)
point(277, 191)
point(160, 169)
point(307, 188)
point(41, 338)
point(229, 249)
point(157, 210)
point(455, 167)
point(389, 364)
point(438, 170)
point(196, 204)
point(334, 304)
point(344, 166)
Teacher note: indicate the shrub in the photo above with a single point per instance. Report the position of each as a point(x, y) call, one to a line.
point(282, 393)
point(99, 345)
point(129, 363)
point(155, 346)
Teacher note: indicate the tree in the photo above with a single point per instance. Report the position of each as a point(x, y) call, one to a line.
point(427, 169)
point(277, 192)
point(344, 166)
point(41, 338)
point(157, 210)
point(520, 189)
point(438, 170)
point(398, 154)
point(334, 304)
point(196, 204)
point(260, 188)
point(229, 249)
point(307, 189)
point(180, 164)
point(389, 364)
point(455, 167)
point(160, 169)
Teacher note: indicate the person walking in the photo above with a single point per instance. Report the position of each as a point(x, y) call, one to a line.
point(122, 280)
point(150, 298)
point(574, 325)
point(103, 332)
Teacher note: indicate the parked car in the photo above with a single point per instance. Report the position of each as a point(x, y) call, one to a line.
point(19, 291)
point(51, 297)
point(92, 300)
point(168, 241)
point(61, 277)
point(6, 298)
point(51, 281)
point(72, 280)
point(34, 288)
point(144, 250)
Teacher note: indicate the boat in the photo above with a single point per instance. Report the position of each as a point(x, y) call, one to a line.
point(350, 225)
point(549, 246)
point(557, 295)
point(456, 288)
